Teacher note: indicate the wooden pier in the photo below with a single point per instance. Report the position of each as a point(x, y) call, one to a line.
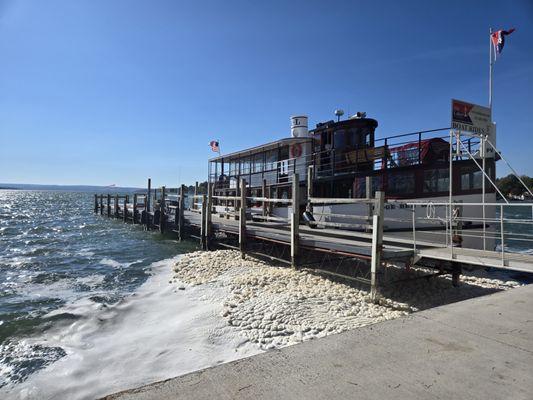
point(359, 252)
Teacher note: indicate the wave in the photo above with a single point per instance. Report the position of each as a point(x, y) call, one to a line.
point(156, 333)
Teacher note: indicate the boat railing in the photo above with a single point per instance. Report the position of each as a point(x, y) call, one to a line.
point(505, 228)
point(388, 153)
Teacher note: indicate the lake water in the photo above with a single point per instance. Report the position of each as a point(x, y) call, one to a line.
point(55, 252)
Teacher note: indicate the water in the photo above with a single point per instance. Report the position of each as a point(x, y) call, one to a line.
point(518, 236)
point(54, 252)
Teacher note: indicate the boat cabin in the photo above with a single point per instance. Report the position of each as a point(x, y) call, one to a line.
point(267, 166)
point(343, 154)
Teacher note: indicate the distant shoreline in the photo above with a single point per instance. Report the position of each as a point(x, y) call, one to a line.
point(69, 188)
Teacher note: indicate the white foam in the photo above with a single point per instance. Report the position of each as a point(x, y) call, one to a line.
point(115, 264)
point(158, 333)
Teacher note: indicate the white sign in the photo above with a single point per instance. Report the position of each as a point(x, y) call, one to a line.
point(469, 117)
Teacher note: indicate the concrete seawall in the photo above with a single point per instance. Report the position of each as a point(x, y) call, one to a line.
point(476, 349)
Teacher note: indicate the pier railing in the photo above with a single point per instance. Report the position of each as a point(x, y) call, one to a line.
point(487, 228)
point(247, 217)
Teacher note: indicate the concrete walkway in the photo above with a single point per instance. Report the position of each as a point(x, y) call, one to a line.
point(476, 349)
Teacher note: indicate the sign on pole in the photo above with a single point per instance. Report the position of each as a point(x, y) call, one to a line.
point(467, 117)
point(472, 118)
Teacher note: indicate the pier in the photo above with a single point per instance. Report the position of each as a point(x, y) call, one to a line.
point(360, 250)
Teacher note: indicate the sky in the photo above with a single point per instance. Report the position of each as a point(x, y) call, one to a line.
point(107, 92)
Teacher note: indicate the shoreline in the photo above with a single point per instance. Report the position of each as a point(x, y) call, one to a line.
point(224, 309)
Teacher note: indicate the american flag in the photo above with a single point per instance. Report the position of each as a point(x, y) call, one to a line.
point(214, 146)
point(498, 40)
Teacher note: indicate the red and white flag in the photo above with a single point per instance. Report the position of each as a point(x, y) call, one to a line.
point(214, 146)
point(498, 41)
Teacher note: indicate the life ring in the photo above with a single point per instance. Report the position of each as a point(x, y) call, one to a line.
point(296, 150)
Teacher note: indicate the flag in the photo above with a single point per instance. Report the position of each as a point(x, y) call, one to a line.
point(214, 146)
point(498, 40)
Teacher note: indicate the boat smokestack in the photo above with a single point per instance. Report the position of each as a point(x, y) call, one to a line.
point(299, 126)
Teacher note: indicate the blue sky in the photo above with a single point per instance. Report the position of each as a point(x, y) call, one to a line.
point(111, 92)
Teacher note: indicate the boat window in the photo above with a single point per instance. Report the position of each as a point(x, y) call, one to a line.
point(436, 180)
point(401, 183)
point(283, 167)
point(368, 139)
point(233, 166)
point(339, 139)
point(471, 179)
point(325, 140)
point(284, 153)
point(256, 180)
point(359, 187)
point(271, 159)
point(245, 166)
point(258, 163)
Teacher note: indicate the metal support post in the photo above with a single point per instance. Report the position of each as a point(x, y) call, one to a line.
point(309, 206)
point(377, 242)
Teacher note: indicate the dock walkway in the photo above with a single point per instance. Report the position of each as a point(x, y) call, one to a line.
point(476, 349)
point(360, 251)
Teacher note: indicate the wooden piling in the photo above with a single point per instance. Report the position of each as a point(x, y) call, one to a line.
point(181, 206)
point(95, 203)
point(147, 204)
point(134, 214)
point(209, 209)
point(264, 194)
point(203, 227)
point(115, 213)
point(154, 200)
point(101, 204)
point(242, 219)
point(309, 206)
point(193, 205)
point(108, 201)
point(162, 210)
point(125, 209)
point(377, 242)
point(295, 220)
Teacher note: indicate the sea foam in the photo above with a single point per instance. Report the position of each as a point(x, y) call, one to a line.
point(158, 332)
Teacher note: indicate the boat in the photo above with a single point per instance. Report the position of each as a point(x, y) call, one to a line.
point(345, 159)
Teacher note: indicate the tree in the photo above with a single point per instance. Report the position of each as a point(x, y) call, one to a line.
point(510, 185)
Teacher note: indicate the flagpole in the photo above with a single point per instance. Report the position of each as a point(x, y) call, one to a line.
point(483, 142)
point(490, 69)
